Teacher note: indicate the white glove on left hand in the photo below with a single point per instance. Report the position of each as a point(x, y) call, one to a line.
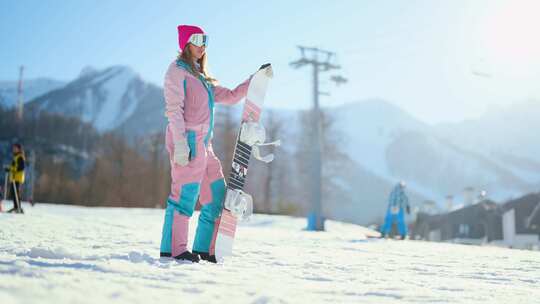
point(181, 152)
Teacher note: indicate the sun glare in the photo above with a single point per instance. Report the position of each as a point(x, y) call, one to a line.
point(512, 32)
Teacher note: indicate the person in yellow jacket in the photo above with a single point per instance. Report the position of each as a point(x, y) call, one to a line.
point(16, 177)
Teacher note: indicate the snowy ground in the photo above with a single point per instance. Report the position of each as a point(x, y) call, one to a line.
point(61, 254)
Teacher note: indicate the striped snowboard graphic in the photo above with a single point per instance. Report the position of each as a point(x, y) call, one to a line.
point(222, 245)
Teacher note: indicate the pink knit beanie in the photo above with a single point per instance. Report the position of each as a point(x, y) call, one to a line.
point(184, 32)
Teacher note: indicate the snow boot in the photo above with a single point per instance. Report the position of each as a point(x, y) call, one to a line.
point(14, 210)
point(206, 256)
point(188, 256)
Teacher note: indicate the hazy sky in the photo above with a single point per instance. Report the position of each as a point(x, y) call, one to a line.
point(438, 60)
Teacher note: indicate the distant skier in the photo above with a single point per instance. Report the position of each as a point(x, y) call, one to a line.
point(398, 204)
point(190, 93)
point(16, 177)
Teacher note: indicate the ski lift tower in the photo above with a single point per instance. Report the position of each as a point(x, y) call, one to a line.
point(320, 61)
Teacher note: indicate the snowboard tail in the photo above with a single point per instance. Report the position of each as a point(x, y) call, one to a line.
point(223, 244)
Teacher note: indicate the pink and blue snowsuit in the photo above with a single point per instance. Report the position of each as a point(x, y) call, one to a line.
point(190, 111)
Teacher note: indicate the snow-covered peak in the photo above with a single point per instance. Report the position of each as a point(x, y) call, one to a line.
point(508, 133)
point(120, 100)
point(105, 98)
point(440, 160)
point(87, 71)
point(370, 126)
point(90, 76)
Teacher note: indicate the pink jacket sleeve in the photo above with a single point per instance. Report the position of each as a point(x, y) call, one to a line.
point(174, 101)
point(226, 96)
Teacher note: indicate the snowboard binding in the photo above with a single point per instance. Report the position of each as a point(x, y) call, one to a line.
point(239, 203)
point(253, 134)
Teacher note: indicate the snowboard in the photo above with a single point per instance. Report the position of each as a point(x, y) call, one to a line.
point(222, 245)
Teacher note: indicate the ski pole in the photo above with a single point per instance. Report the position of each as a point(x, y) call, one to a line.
point(16, 196)
point(5, 189)
point(6, 186)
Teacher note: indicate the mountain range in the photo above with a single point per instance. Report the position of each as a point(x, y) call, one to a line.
point(32, 89)
point(498, 152)
point(115, 98)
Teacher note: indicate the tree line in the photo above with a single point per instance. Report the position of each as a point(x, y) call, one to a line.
point(75, 164)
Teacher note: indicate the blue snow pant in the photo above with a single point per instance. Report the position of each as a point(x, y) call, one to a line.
point(391, 219)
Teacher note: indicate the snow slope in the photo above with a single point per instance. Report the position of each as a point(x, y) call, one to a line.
point(64, 254)
point(504, 135)
point(371, 126)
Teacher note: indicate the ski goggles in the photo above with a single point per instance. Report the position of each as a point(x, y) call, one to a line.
point(199, 40)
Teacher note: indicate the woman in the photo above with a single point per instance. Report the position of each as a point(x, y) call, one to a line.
point(16, 177)
point(190, 93)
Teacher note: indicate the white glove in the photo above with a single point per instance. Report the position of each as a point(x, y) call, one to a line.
point(181, 152)
point(252, 133)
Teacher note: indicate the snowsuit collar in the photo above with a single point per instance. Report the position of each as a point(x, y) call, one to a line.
point(184, 65)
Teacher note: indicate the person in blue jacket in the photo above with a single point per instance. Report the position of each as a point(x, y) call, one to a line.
point(398, 204)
